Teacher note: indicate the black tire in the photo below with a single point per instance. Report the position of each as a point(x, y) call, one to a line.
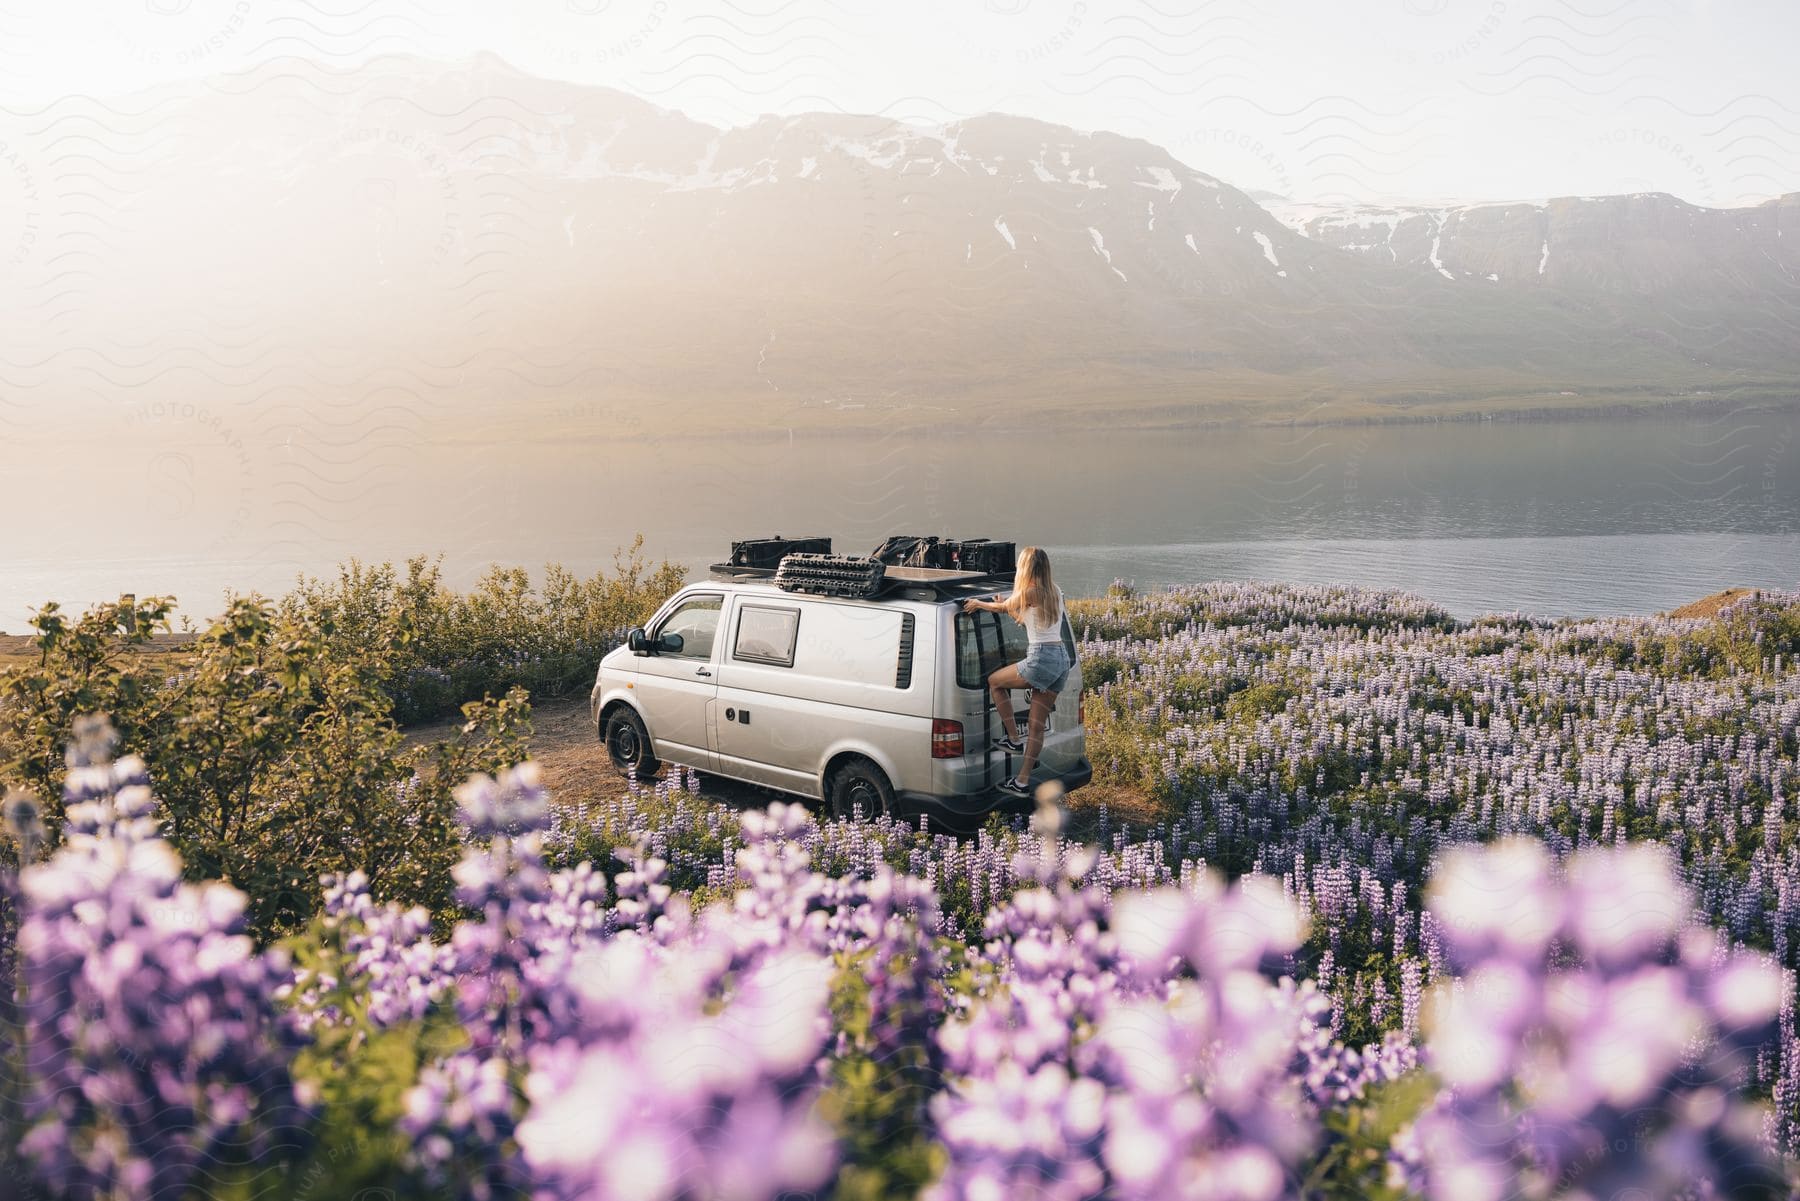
point(859, 782)
point(628, 743)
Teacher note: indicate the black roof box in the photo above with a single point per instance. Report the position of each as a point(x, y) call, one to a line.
point(768, 552)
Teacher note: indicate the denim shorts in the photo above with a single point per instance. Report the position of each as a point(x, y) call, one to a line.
point(1046, 666)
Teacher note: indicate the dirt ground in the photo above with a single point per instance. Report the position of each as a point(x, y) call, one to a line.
point(1709, 606)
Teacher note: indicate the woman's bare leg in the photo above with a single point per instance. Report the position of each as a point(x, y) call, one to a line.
point(1000, 685)
point(1041, 704)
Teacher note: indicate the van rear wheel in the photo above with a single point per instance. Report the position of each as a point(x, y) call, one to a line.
point(858, 783)
point(628, 743)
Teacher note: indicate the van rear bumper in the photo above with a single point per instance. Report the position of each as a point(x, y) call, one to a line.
point(992, 800)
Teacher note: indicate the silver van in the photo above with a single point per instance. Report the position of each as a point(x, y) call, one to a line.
point(876, 703)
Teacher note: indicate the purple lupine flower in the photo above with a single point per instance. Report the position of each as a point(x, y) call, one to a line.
point(1598, 1012)
point(153, 1045)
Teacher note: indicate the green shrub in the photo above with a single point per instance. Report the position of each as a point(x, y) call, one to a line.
point(1352, 1165)
point(361, 1071)
point(1124, 748)
point(444, 648)
point(272, 749)
point(1262, 699)
point(880, 1107)
point(1196, 692)
point(1100, 670)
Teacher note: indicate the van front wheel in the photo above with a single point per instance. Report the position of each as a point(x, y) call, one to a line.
point(856, 784)
point(628, 743)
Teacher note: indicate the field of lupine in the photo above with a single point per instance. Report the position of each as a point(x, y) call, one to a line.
point(1490, 910)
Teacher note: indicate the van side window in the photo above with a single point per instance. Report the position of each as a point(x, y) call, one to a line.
point(850, 643)
point(697, 621)
point(986, 642)
point(766, 635)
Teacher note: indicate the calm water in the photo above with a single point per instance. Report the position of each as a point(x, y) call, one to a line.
point(1553, 518)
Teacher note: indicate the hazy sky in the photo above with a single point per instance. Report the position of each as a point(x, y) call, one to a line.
point(1315, 99)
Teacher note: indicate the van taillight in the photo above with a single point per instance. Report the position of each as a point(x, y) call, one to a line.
point(946, 739)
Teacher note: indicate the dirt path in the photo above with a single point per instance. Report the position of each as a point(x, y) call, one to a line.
point(562, 743)
point(571, 755)
point(574, 762)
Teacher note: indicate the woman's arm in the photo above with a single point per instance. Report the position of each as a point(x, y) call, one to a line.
point(993, 606)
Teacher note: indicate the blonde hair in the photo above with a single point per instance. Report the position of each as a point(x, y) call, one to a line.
point(1033, 589)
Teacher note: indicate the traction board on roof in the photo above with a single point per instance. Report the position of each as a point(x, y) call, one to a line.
point(830, 575)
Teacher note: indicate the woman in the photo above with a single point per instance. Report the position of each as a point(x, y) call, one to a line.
point(1037, 604)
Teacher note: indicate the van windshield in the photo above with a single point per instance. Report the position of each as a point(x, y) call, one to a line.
point(986, 642)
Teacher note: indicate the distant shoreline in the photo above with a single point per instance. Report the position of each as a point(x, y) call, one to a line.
point(1123, 422)
point(14, 647)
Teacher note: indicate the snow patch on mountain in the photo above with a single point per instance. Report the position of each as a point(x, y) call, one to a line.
point(1374, 227)
point(1268, 249)
point(1162, 179)
point(1437, 240)
point(1102, 251)
point(883, 153)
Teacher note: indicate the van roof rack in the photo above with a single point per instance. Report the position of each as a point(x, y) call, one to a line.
point(911, 583)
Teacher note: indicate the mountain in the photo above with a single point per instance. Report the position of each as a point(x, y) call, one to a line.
point(1650, 243)
point(494, 254)
point(1722, 283)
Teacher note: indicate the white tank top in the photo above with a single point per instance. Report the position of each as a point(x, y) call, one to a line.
point(1040, 630)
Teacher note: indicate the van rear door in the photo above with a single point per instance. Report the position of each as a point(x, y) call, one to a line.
point(988, 641)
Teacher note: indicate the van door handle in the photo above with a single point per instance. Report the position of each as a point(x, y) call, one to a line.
point(703, 672)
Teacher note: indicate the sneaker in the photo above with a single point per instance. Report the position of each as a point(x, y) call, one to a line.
point(1015, 745)
point(1016, 788)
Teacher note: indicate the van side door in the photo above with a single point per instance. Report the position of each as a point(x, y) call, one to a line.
point(761, 728)
point(675, 689)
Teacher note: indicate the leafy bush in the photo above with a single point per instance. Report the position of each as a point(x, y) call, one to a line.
point(1262, 699)
point(273, 749)
point(274, 737)
point(443, 648)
